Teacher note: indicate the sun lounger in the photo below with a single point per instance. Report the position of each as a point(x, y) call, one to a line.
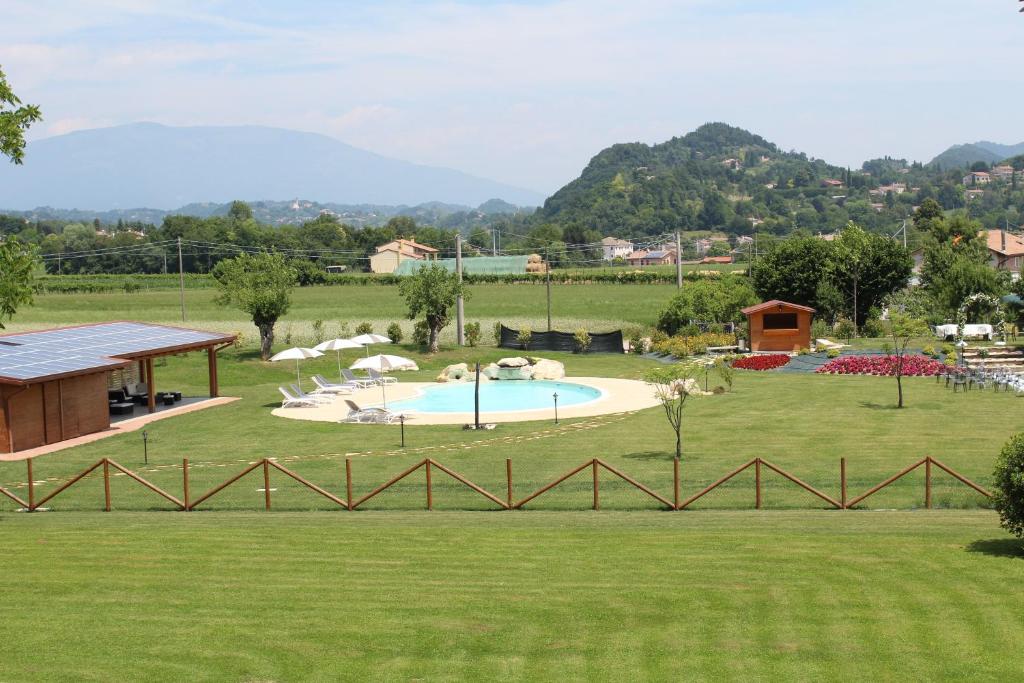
point(372, 414)
point(291, 401)
point(320, 399)
point(379, 378)
point(361, 382)
point(325, 387)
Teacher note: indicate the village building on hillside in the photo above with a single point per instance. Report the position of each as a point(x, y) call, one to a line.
point(977, 178)
point(660, 257)
point(389, 255)
point(882, 190)
point(1005, 250)
point(1002, 172)
point(721, 260)
point(831, 182)
point(613, 248)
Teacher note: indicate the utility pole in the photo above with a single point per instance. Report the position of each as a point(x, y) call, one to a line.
point(494, 242)
point(679, 262)
point(460, 332)
point(547, 280)
point(181, 281)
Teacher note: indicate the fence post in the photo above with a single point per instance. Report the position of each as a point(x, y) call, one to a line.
point(597, 501)
point(348, 482)
point(757, 483)
point(184, 482)
point(430, 491)
point(266, 483)
point(508, 478)
point(928, 483)
point(842, 482)
point(31, 487)
point(675, 483)
point(106, 484)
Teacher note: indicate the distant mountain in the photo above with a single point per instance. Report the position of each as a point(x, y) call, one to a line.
point(293, 212)
point(157, 166)
point(962, 156)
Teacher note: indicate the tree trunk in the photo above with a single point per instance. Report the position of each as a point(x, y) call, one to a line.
point(432, 346)
point(679, 444)
point(266, 339)
point(899, 389)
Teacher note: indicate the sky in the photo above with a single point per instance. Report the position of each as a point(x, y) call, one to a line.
point(527, 92)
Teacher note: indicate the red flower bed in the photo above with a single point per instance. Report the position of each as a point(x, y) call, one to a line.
point(913, 366)
point(760, 362)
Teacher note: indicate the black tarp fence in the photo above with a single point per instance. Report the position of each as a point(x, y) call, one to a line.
point(600, 342)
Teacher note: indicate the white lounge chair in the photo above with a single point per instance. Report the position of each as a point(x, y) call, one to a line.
point(361, 382)
point(319, 399)
point(325, 387)
point(379, 378)
point(372, 414)
point(294, 401)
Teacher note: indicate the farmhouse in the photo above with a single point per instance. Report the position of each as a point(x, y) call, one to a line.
point(389, 255)
point(779, 326)
point(660, 257)
point(977, 178)
point(54, 384)
point(1005, 251)
point(614, 248)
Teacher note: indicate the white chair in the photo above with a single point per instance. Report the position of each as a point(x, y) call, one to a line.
point(319, 399)
point(295, 402)
point(360, 382)
point(379, 378)
point(325, 387)
point(372, 414)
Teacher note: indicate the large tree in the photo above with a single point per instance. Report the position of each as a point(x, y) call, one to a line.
point(793, 270)
point(259, 284)
point(15, 119)
point(867, 267)
point(432, 292)
point(17, 263)
point(717, 300)
point(956, 263)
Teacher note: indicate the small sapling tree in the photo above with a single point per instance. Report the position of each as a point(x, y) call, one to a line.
point(902, 329)
point(673, 384)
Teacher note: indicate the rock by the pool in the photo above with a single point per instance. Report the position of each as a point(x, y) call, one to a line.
point(525, 372)
point(514, 362)
point(454, 373)
point(548, 369)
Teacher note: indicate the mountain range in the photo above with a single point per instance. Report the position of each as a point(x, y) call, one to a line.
point(161, 167)
point(959, 156)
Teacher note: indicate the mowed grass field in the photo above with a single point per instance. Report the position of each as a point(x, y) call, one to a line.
point(576, 596)
point(553, 592)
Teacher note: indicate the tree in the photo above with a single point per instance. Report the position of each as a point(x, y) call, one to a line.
point(16, 265)
point(1009, 486)
point(673, 384)
point(432, 291)
point(15, 119)
point(239, 211)
point(792, 270)
point(903, 328)
point(867, 267)
point(710, 300)
point(259, 284)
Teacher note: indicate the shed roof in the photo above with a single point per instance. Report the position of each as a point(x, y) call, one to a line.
point(30, 357)
point(775, 303)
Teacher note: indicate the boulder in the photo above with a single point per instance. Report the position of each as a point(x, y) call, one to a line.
point(548, 369)
point(454, 373)
point(514, 362)
point(525, 372)
point(490, 372)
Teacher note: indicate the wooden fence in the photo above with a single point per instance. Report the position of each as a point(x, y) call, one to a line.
point(428, 465)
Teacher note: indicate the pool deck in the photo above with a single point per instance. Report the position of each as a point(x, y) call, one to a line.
point(618, 396)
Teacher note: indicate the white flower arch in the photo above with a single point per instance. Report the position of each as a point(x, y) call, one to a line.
point(999, 323)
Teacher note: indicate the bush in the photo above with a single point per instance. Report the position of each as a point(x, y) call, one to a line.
point(318, 331)
point(497, 334)
point(472, 333)
point(715, 300)
point(582, 340)
point(342, 329)
point(833, 353)
point(395, 333)
point(844, 329)
point(306, 273)
point(636, 343)
point(929, 350)
point(803, 351)
point(421, 333)
point(1009, 486)
point(820, 329)
point(524, 337)
point(950, 361)
point(364, 328)
point(681, 347)
point(948, 349)
point(874, 327)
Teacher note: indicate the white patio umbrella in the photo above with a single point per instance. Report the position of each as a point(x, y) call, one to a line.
point(337, 345)
point(367, 339)
point(382, 363)
point(296, 353)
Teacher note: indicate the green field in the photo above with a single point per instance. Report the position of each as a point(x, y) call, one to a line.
point(552, 592)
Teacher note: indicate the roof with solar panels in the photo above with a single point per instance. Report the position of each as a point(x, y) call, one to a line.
point(31, 357)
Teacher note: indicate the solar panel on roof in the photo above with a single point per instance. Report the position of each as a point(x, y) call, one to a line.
point(32, 355)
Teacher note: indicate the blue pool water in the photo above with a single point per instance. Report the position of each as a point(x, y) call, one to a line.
point(497, 396)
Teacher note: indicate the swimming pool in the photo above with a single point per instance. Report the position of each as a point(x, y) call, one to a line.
point(499, 396)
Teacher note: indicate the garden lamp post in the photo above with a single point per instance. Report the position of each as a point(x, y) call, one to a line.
point(401, 421)
point(555, 396)
point(145, 446)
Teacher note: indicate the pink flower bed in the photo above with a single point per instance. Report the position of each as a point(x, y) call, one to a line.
point(913, 366)
point(760, 362)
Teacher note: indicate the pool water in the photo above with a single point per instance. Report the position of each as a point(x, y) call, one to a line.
point(497, 396)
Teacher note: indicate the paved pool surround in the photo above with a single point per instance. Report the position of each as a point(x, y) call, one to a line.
point(617, 396)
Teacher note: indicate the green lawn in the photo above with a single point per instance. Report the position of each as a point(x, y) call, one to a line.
point(511, 596)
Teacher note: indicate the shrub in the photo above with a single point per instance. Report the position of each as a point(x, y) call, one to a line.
point(524, 337)
point(288, 334)
point(844, 329)
point(306, 273)
point(395, 333)
point(725, 370)
point(983, 352)
point(948, 349)
point(681, 347)
point(364, 328)
point(636, 343)
point(342, 329)
point(131, 286)
point(820, 329)
point(929, 350)
point(472, 333)
point(950, 361)
point(760, 362)
point(1009, 486)
point(497, 334)
point(913, 366)
point(874, 327)
point(710, 300)
point(421, 333)
point(582, 340)
point(803, 351)
point(318, 331)
point(832, 353)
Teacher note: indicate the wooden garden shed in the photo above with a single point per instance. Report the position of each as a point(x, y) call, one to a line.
point(54, 383)
point(779, 326)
